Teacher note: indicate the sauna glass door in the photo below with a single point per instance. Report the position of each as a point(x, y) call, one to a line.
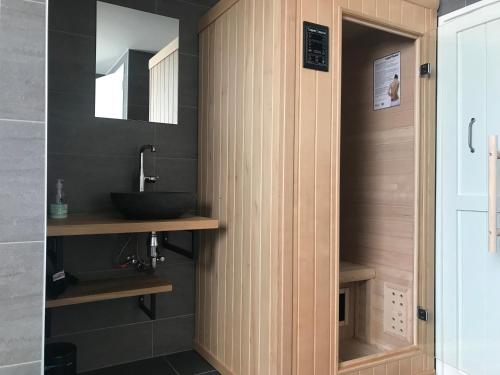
point(378, 195)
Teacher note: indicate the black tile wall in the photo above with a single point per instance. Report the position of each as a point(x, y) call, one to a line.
point(71, 62)
point(447, 6)
point(181, 300)
point(96, 156)
point(90, 178)
point(188, 14)
point(188, 80)
point(94, 316)
point(176, 174)
point(77, 17)
point(138, 85)
point(144, 5)
point(179, 329)
point(109, 346)
point(74, 130)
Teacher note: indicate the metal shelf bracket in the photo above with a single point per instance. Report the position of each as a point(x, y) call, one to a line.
point(151, 310)
point(179, 250)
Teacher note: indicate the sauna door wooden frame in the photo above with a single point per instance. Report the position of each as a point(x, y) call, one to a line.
point(424, 197)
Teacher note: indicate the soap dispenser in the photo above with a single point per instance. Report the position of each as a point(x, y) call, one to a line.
point(59, 209)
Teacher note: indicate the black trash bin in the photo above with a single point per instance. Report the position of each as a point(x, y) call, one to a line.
point(60, 359)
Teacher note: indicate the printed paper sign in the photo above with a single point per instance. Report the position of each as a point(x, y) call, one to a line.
point(386, 81)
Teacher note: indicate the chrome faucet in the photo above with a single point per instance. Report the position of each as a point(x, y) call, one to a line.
point(142, 178)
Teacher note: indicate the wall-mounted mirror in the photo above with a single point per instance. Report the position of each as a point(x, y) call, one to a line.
point(137, 65)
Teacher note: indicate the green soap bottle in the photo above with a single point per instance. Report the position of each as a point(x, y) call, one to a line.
point(59, 209)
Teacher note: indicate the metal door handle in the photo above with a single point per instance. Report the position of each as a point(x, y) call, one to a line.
point(472, 122)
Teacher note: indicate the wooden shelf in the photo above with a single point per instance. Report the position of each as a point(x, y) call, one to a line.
point(351, 272)
point(102, 290)
point(79, 225)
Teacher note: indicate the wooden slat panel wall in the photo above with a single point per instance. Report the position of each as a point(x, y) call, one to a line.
point(315, 206)
point(163, 90)
point(245, 178)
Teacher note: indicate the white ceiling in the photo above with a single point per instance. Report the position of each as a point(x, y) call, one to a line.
point(119, 29)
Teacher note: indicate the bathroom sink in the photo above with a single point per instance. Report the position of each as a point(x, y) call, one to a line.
point(154, 205)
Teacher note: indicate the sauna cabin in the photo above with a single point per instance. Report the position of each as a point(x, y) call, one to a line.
point(316, 153)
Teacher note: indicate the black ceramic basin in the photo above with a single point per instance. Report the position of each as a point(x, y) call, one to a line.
point(154, 205)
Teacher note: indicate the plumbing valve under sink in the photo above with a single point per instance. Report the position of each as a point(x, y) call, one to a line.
point(153, 250)
point(155, 257)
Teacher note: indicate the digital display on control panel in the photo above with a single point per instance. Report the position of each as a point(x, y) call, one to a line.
point(316, 46)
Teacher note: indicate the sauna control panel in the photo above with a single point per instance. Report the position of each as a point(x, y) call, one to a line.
point(316, 42)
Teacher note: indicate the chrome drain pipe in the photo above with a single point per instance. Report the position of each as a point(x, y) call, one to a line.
point(153, 248)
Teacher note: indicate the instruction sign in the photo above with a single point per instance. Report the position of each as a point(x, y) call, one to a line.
point(386, 81)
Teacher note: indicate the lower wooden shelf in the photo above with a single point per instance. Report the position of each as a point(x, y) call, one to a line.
point(102, 290)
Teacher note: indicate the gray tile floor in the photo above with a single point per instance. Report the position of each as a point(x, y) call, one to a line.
point(183, 363)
